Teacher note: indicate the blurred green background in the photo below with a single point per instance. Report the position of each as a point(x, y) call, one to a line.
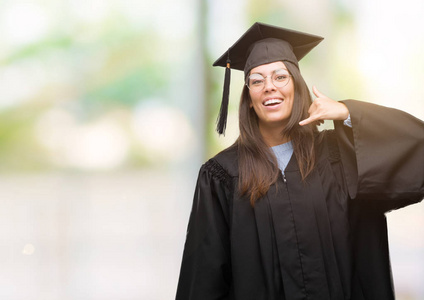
point(108, 109)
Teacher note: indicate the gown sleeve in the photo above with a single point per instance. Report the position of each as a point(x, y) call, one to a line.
point(205, 271)
point(382, 155)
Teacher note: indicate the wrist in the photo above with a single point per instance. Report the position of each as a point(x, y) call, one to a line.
point(344, 112)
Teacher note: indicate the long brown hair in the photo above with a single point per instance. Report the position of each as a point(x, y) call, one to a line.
point(258, 168)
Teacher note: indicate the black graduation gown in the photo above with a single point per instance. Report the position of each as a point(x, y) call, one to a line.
point(325, 238)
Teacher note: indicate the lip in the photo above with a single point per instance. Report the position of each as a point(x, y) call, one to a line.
point(275, 105)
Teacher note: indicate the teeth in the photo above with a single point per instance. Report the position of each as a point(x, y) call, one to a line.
point(272, 101)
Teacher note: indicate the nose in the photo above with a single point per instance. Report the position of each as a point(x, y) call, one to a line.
point(269, 85)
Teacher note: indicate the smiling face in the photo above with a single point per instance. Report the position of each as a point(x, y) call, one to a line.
point(273, 105)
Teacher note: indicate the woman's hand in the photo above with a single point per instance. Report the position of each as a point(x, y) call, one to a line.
point(324, 108)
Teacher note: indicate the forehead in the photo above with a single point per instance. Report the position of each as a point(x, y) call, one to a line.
point(268, 68)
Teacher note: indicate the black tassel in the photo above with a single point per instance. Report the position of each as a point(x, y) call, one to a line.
point(223, 112)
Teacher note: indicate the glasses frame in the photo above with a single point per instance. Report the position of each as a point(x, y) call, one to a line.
point(272, 81)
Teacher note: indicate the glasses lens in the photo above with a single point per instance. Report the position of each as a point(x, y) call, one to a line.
point(255, 82)
point(280, 78)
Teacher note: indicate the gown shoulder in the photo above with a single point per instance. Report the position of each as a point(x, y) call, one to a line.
point(225, 161)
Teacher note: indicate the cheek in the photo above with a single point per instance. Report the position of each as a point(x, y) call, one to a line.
point(288, 90)
point(291, 91)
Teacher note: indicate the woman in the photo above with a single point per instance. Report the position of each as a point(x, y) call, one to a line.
point(288, 212)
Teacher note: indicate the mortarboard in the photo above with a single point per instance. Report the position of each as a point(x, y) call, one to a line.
point(261, 44)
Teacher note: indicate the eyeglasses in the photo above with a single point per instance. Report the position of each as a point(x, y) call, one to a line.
point(256, 82)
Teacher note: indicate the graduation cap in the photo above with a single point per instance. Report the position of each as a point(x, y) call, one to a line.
point(261, 44)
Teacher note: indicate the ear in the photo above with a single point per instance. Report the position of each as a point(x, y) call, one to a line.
point(249, 99)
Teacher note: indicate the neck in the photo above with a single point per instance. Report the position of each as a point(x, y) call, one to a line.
point(272, 135)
